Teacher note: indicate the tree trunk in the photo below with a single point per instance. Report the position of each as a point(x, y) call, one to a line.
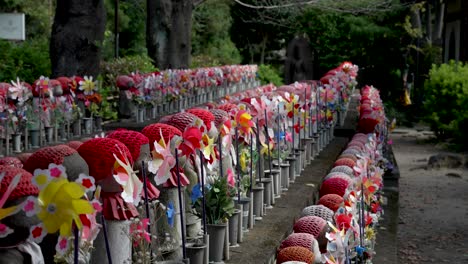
point(77, 35)
point(169, 29)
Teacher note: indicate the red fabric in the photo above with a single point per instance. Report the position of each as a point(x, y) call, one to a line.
point(173, 181)
point(47, 155)
point(295, 254)
point(204, 115)
point(182, 120)
point(331, 201)
point(115, 208)
point(24, 187)
point(310, 224)
point(304, 240)
point(11, 161)
point(132, 139)
point(98, 153)
point(154, 132)
point(334, 186)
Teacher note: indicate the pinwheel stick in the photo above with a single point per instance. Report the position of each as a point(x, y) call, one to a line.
point(106, 239)
point(259, 152)
point(220, 149)
point(76, 243)
point(251, 160)
point(361, 212)
point(237, 163)
point(202, 165)
point(292, 128)
point(279, 133)
point(145, 190)
point(184, 253)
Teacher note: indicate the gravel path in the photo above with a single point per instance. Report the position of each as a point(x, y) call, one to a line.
point(433, 220)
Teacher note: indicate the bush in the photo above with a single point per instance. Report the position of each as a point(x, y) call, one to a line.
point(27, 60)
point(123, 66)
point(446, 100)
point(267, 74)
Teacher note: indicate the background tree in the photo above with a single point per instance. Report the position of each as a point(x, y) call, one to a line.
point(76, 39)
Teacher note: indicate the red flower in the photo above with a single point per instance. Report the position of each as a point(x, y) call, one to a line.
point(343, 221)
point(192, 137)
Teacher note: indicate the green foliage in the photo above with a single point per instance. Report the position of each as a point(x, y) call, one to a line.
point(219, 202)
point(267, 74)
point(446, 100)
point(27, 60)
point(211, 42)
point(122, 66)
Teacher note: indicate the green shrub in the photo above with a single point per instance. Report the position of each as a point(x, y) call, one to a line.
point(126, 65)
point(267, 74)
point(27, 60)
point(446, 100)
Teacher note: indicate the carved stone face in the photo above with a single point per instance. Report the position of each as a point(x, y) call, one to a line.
point(145, 155)
point(75, 165)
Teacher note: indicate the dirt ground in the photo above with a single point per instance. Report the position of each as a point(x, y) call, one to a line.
point(433, 213)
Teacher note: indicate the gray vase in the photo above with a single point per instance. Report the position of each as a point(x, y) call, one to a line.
point(245, 202)
point(196, 252)
point(234, 228)
point(34, 138)
point(217, 234)
point(258, 202)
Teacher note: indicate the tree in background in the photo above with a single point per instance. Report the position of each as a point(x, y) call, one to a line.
point(76, 39)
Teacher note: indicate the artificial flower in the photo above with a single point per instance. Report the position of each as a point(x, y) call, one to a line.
point(88, 86)
point(127, 178)
point(230, 177)
point(5, 212)
point(208, 148)
point(163, 161)
point(139, 231)
point(244, 121)
point(192, 137)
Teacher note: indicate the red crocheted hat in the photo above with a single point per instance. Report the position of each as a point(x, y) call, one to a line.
point(310, 224)
point(304, 240)
point(74, 144)
point(344, 162)
point(340, 175)
point(344, 169)
point(154, 132)
point(220, 116)
point(347, 156)
point(182, 120)
point(99, 154)
point(228, 107)
point(47, 155)
point(24, 187)
point(204, 115)
point(331, 201)
point(11, 161)
point(165, 119)
point(334, 185)
point(318, 210)
point(295, 254)
point(132, 139)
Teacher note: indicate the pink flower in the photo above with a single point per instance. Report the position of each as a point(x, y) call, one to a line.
point(230, 177)
point(139, 231)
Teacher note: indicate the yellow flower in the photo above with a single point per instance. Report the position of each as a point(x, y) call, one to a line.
point(370, 233)
point(61, 204)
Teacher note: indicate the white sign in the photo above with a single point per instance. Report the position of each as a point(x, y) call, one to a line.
point(12, 26)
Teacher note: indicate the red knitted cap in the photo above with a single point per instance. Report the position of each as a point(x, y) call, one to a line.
point(295, 254)
point(310, 224)
point(228, 107)
point(74, 144)
point(99, 154)
point(11, 161)
point(318, 210)
point(182, 120)
point(132, 139)
point(347, 156)
point(24, 187)
point(334, 185)
point(343, 169)
point(332, 201)
point(304, 240)
point(165, 119)
point(154, 132)
point(24, 156)
point(47, 155)
point(340, 175)
point(344, 162)
point(204, 115)
point(220, 116)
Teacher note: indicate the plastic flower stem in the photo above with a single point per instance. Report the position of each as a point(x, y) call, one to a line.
point(361, 226)
point(278, 139)
point(76, 243)
point(237, 163)
point(220, 148)
point(106, 239)
point(317, 102)
point(145, 189)
point(251, 161)
point(184, 253)
point(292, 130)
point(259, 151)
point(202, 164)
